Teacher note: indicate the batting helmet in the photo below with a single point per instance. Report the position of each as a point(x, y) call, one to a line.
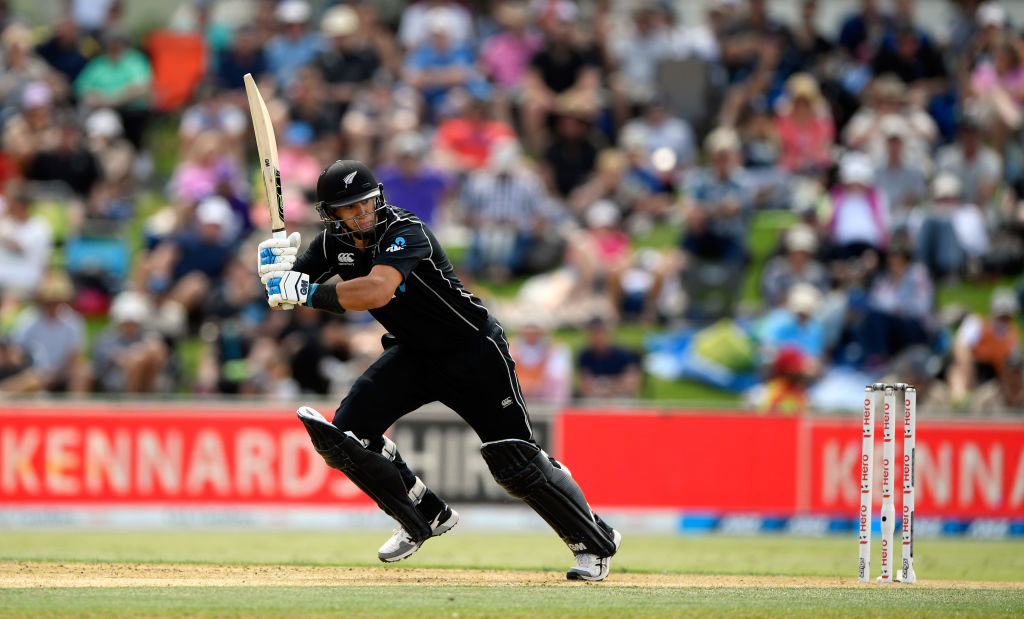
point(343, 183)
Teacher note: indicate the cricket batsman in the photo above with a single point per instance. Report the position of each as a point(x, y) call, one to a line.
point(443, 346)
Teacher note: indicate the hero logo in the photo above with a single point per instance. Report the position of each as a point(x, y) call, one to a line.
point(397, 245)
point(346, 258)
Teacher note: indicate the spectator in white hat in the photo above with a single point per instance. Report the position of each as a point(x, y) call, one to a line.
point(952, 235)
point(412, 180)
point(414, 28)
point(899, 177)
point(978, 166)
point(718, 203)
point(296, 46)
point(442, 64)
point(860, 212)
point(53, 335)
point(129, 356)
point(887, 96)
point(347, 61)
point(797, 264)
point(794, 334)
point(901, 302)
point(506, 208)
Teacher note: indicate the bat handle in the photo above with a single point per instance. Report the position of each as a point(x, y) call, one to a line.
point(282, 234)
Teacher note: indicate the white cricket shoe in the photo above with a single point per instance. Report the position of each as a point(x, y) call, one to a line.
point(592, 567)
point(401, 545)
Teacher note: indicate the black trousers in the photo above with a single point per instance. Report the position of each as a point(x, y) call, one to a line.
point(478, 382)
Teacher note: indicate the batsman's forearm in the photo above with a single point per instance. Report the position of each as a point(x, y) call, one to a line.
point(362, 293)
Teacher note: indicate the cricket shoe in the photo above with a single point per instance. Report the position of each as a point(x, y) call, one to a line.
point(592, 567)
point(401, 544)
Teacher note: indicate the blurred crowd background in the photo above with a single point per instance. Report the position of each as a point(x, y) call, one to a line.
point(696, 202)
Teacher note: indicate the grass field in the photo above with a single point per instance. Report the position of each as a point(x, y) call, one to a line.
point(220, 574)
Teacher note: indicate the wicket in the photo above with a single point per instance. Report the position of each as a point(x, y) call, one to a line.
point(888, 512)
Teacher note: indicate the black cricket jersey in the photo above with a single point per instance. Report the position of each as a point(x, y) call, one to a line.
point(431, 310)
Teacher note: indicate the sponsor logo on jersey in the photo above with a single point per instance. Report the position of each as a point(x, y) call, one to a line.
point(346, 258)
point(397, 245)
point(506, 402)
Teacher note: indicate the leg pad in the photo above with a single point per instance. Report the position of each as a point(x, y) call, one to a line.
point(374, 473)
point(526, 472)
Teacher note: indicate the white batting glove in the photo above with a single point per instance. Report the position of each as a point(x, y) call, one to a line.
point(279, 254)
point(286, 288)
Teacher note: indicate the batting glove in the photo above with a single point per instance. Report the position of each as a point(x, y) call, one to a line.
point(278, 254)
point(287, 288)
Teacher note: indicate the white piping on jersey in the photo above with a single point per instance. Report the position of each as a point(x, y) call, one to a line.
point(514, 384)
point(519, 388)
point(462, 291)
point(455, 311)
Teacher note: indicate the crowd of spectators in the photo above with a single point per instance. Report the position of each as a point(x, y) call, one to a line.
point(546, 141)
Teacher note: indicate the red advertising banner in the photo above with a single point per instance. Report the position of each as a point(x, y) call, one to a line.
point(733, 463)
point(691, 461)
point(962, 469)
point(171, 455)
point(715, 462)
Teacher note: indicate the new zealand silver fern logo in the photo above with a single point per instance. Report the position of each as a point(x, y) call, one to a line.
point(348, 178)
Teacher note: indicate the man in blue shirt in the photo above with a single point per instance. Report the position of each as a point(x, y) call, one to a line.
point(296, 47)
point(441, 64)
point(607, 370)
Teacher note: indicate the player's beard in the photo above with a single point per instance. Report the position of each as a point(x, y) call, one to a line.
point(367, 235)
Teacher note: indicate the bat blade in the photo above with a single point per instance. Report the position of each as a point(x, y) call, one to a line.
point(266, 145)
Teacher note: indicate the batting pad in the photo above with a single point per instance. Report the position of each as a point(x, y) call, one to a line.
point(374, 473)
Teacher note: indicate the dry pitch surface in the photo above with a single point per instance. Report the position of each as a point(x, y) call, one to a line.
point(32, 574)
point(221, 574)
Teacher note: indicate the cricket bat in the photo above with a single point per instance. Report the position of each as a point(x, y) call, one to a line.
point(266, 146)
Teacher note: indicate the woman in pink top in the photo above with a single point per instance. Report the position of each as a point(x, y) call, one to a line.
point(805, 128)
point(1006, 73)
point(505, 55)
point(1000, 84)
point(601, 251)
